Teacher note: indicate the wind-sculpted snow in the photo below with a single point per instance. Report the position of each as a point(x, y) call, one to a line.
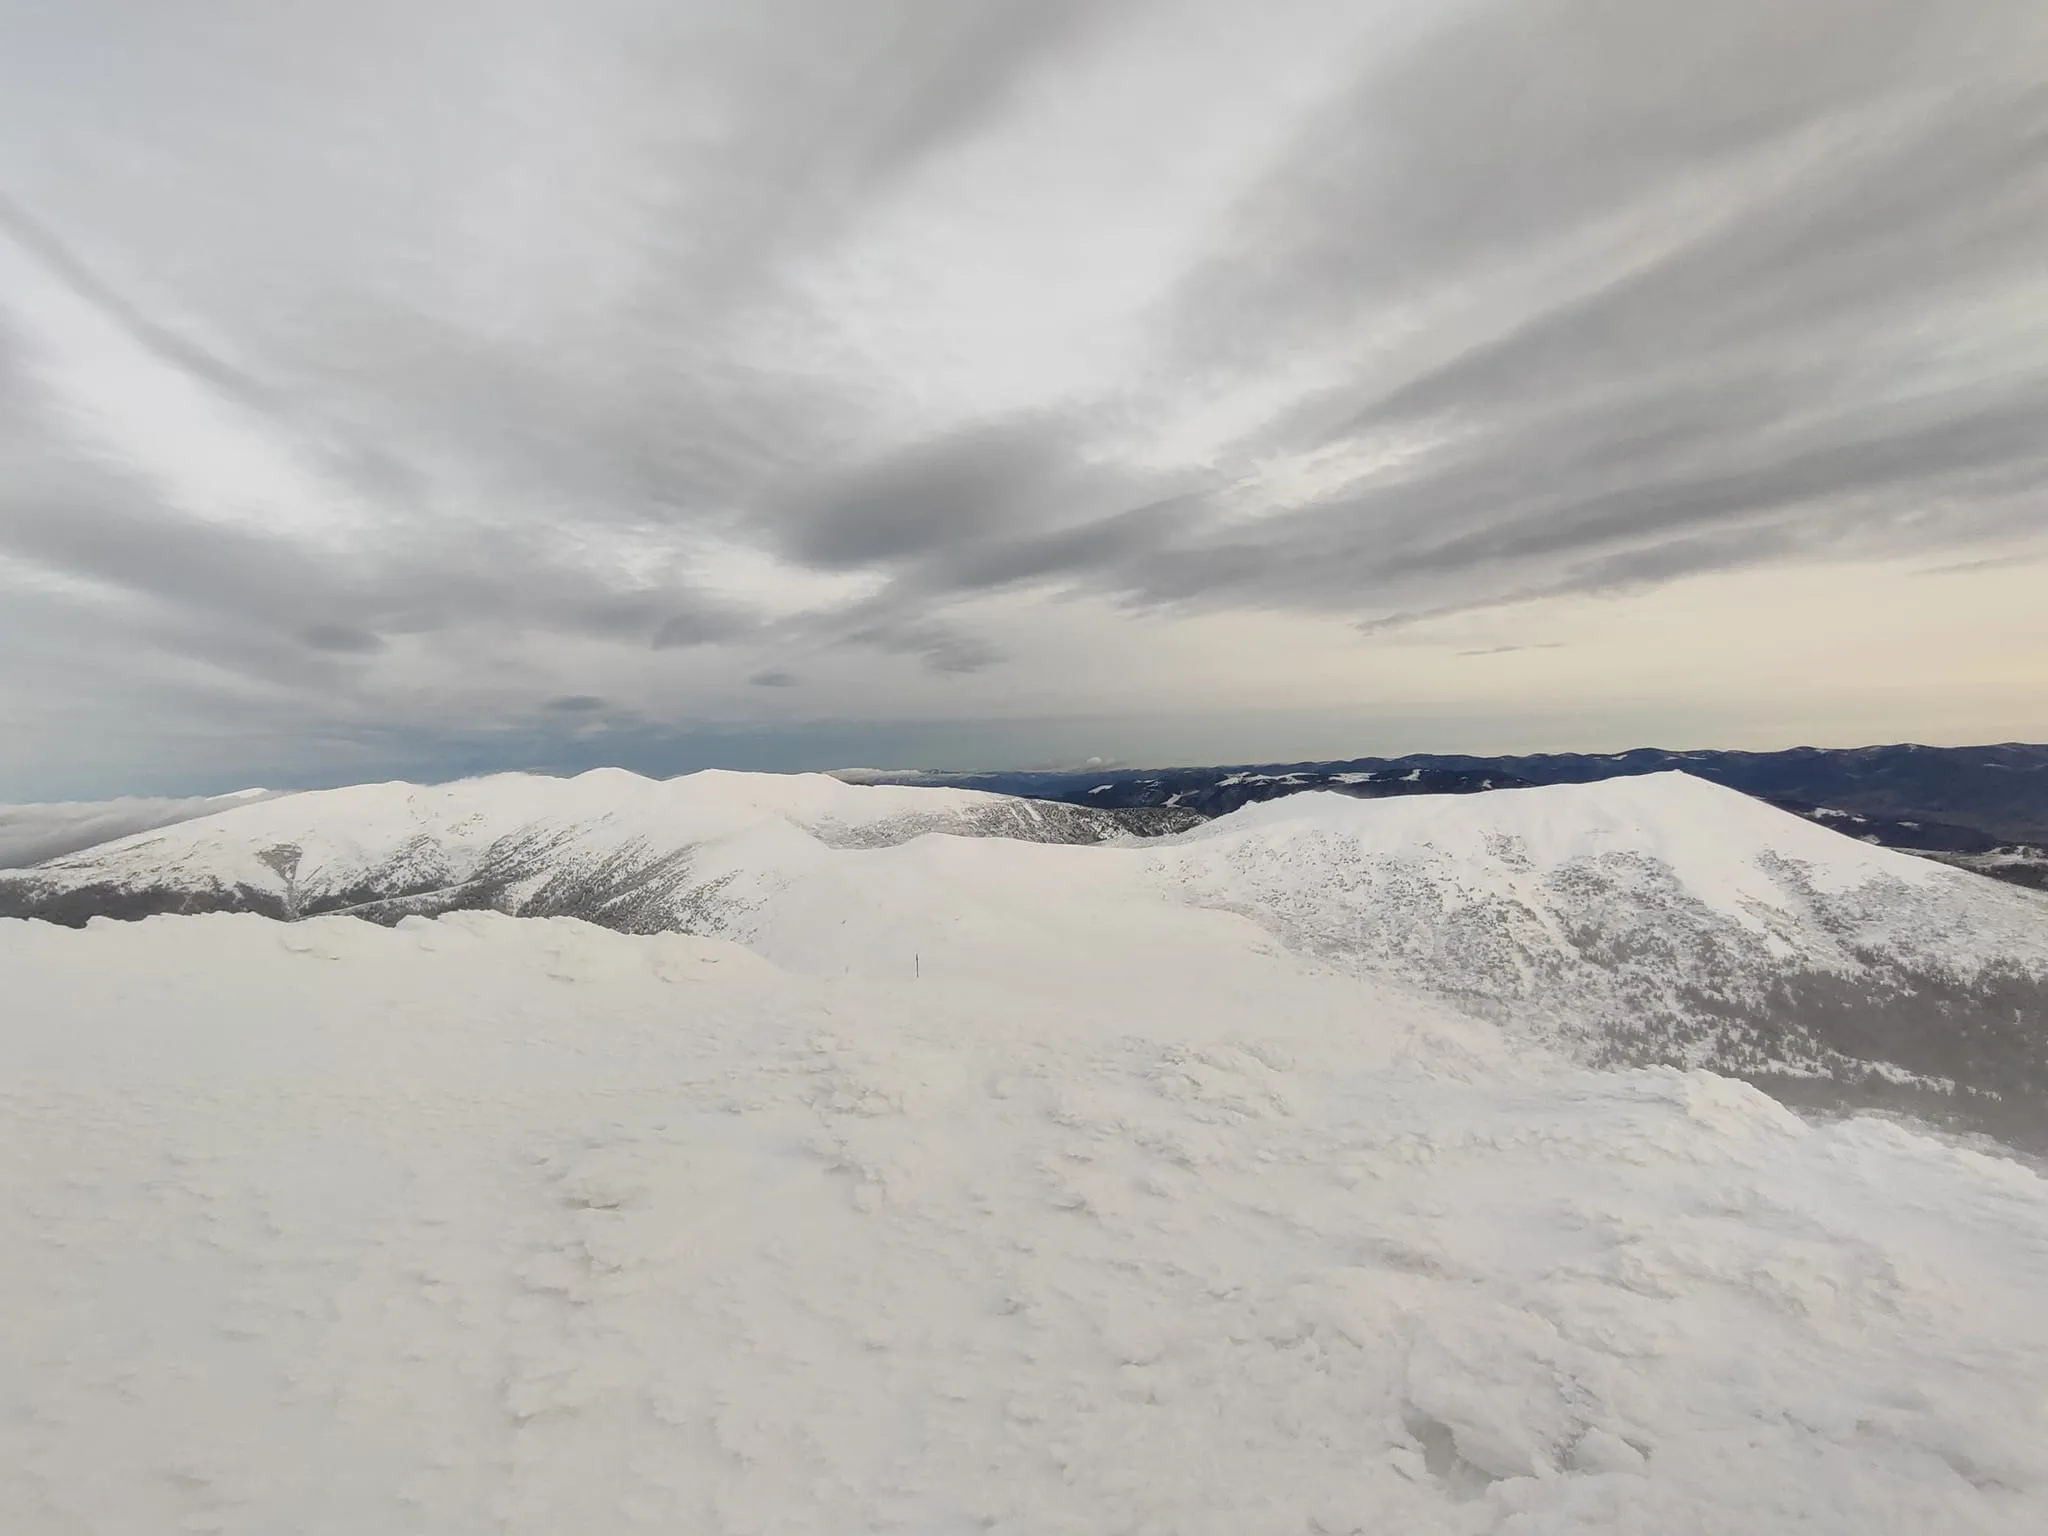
point(524, 1226)
point(1637, 921)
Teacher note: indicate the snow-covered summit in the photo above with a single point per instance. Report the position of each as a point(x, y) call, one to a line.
point(1715, 842)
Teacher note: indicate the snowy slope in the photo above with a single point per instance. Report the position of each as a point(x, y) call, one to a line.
point(1665, 919)
point(1636, 921)
point(485, 1224)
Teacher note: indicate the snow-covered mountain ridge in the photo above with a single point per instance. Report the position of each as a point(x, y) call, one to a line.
point(1657, 919)
point(607, 845)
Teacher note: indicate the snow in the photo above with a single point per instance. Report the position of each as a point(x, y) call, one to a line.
point(1725, 850)
point(326, 841)
point(1657, 919)
point(1708, 837)
point(1124, 1217)
point(1640, 920)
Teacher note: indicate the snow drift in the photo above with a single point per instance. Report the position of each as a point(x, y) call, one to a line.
point(524, 1226)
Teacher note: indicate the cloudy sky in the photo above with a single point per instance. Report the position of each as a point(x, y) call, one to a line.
point(418, 386)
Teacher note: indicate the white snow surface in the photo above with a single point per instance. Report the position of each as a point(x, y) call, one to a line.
point(1122, 1217)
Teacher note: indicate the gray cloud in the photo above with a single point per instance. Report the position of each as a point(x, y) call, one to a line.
point(1789, 221)
point(988, 481)
point(939, 646)
point(575, 704)
point(692, 627)
point(64, 264)
point(570, 323)
point(1827, 201)
point(342, 638)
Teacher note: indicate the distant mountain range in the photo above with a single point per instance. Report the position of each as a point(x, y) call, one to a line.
point(1982, 808)
point(1651, 919)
